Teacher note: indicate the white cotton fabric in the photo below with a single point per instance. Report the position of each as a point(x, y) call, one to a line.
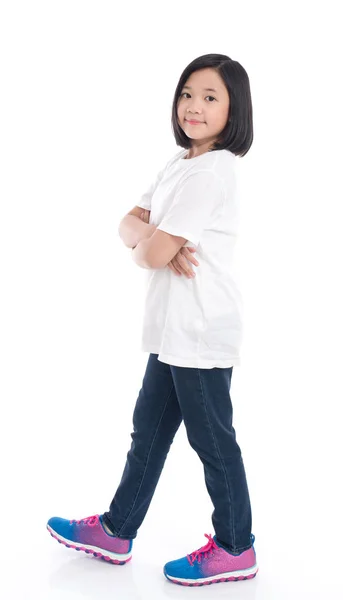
point(196, 322)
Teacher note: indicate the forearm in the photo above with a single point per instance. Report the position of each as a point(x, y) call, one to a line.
point(139, 254)
point(132, 230)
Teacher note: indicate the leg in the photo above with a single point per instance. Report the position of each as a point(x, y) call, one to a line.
point(204, 398)
point(156, 419)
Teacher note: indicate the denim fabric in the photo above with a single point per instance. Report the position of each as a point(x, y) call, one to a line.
point(201, 398)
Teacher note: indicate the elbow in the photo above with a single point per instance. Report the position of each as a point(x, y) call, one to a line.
point(119, 230)
point(122, 235)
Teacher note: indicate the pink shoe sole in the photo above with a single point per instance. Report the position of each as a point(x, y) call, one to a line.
point(209, 581)
point(106, 555)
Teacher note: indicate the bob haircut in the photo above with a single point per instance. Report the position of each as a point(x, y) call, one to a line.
point(237, 135)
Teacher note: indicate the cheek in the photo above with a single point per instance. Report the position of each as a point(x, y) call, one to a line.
point(180, 113)
point(221, 119)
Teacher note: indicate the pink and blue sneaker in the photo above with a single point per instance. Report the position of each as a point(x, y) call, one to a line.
point(89, 535)
point(212, 564)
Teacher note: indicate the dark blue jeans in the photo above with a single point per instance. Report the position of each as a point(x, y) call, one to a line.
point(201, 398)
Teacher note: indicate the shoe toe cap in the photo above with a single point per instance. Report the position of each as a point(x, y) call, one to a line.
point(181, 569)
point(60, 526)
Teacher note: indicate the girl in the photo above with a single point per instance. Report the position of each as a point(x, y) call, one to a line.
point(192, 331)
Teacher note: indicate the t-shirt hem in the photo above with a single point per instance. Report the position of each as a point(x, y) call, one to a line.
point(144, 205)
point(179, 233)
point(197, 363)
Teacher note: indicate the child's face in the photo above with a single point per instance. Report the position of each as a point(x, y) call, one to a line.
point(209, 107)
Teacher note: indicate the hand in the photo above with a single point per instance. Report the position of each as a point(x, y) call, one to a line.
point(179, 264)
point(145, 215)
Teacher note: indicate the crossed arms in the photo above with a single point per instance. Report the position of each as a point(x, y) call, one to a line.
point(151, 247)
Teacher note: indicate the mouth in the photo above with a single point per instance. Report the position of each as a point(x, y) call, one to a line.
point(194, 122)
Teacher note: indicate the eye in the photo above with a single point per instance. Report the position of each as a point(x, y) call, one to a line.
point(189, 95)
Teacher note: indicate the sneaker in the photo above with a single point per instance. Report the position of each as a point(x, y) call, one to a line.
point(212, 564)
point(90, 536)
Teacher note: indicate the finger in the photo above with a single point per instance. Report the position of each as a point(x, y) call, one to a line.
point(173, 269)
point(183, 264)
point(189, 256)
point(176, 265)
point(193, 260)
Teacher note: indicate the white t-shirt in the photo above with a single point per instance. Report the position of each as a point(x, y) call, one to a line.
point(195, 322)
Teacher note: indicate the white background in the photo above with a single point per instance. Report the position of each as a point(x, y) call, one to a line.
point(87, 90)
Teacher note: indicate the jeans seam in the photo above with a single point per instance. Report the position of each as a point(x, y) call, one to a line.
point(147, 460)
point(219, 456)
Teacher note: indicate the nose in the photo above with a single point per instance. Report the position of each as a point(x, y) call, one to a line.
point(193, 106)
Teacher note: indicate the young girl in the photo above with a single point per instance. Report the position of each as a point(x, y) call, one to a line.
point(192, 331)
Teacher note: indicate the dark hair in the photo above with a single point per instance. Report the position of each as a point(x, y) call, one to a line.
point(237, 135)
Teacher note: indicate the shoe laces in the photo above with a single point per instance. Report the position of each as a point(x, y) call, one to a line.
point(204, 551)
point(91, 521)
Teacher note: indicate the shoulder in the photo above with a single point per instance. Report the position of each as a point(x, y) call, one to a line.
point(222, 162)
point(216, 166)
point(201, 184)
point(219, 162)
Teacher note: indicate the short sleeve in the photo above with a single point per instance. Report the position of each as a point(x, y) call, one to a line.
point(145, 201)
point(197, 200)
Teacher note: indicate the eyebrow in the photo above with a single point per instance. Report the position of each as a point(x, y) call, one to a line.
point(188, 87)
